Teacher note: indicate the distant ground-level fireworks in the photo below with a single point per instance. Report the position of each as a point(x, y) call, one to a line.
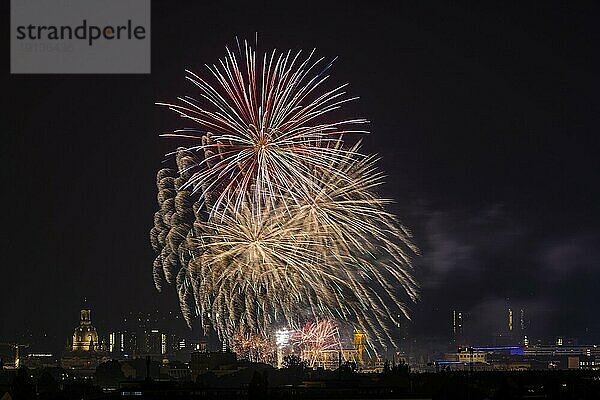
point(255, 348)
point(317, 343)
point(270, 219)
point(314, 338)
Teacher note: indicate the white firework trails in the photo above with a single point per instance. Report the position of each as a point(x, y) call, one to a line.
point(269, 127)
point(285, 220)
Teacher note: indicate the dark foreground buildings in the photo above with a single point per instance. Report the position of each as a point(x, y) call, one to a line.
point(223, 377)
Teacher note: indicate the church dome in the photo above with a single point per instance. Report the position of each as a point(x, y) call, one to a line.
point(85, 337)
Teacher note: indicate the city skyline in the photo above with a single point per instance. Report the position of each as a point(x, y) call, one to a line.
point(458, 329)
point(142, 336)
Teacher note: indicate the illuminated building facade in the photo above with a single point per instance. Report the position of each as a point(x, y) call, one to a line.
point(330, 359)
point(86, 351)
point(511, 358)
point(85, 337)
point(116, 341)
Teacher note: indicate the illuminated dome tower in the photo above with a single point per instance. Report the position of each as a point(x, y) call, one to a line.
point(85, 337)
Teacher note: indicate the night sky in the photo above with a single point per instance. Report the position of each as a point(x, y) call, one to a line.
point(486, 120)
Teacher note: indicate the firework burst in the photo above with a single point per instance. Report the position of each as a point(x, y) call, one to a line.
point(253, 271)
point(315, 337)
point(269, 126)
point(281, 220)
point(255, 348)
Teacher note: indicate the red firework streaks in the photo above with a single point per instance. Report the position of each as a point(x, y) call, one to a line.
point(267, 130)
point(315, 337)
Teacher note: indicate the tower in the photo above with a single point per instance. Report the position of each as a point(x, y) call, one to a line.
point(522, 320)
point(85, 317)
point(359, 343)
point(523, 326)
point(457, 325)
point(85, 337)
